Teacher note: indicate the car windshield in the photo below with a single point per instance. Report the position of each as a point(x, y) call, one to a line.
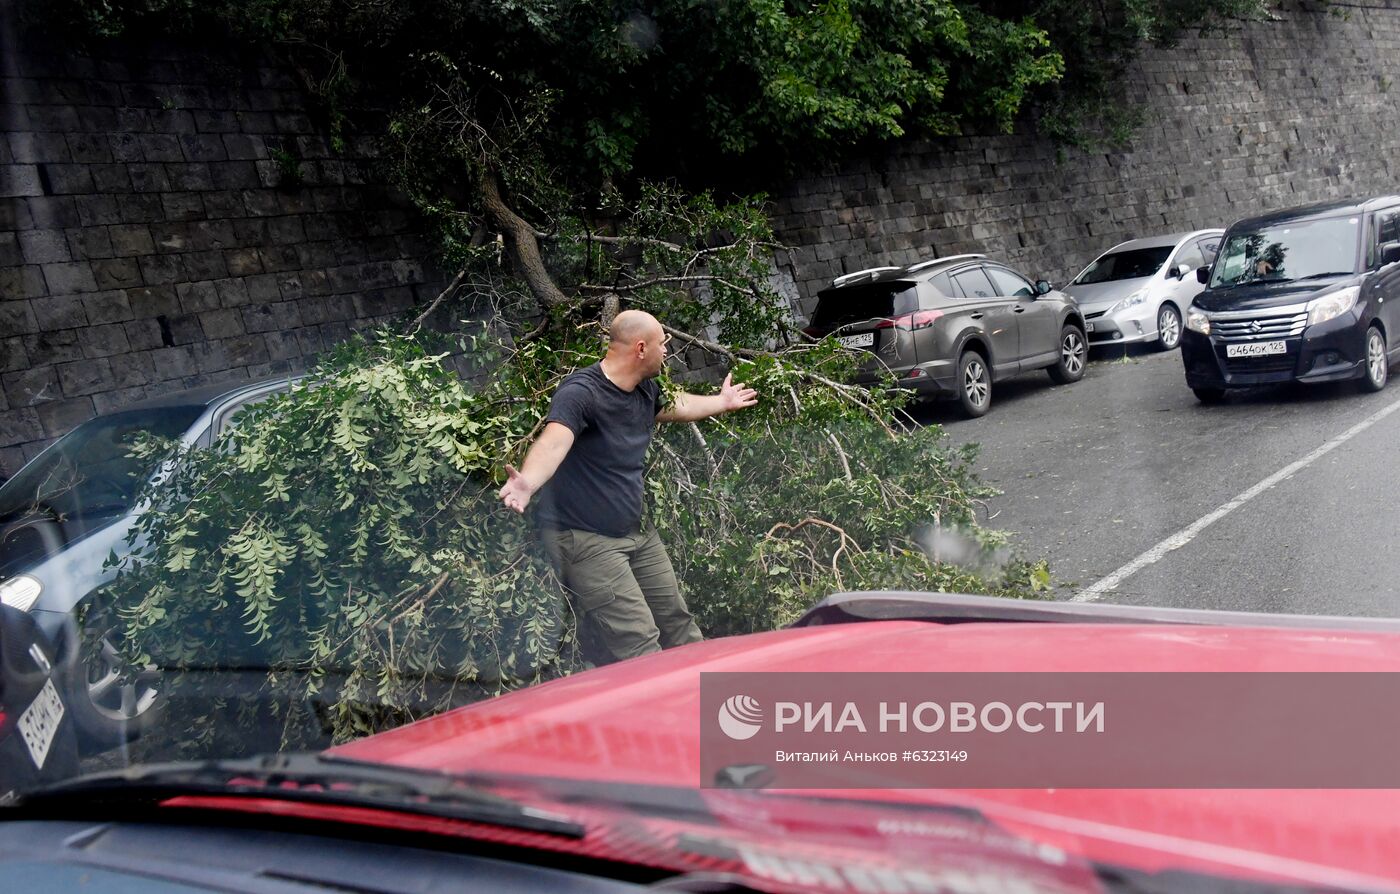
point(1133, 263)
point(702, 443)
point(92, 472)
point(1289, 251)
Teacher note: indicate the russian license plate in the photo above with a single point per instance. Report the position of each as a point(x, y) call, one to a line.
point(39, 723)
point(862, 340)
point(1088, 327)
point(1256, 349)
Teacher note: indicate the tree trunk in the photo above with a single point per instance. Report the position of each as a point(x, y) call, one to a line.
point(520, 237)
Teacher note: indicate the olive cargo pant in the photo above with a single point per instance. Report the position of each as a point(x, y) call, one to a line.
point(624, 590)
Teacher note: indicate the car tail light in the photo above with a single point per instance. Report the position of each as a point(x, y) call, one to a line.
point(919, 319)
point(813, 332)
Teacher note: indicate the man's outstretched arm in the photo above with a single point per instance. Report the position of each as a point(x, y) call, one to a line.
point(694, 407)
point(540, 464)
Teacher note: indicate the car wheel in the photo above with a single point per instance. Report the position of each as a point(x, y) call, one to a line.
point(1073, 352)
point(974, 384)
point(1377, 364)
point(1209, 395)
point(112, 703)
point(1168, 327)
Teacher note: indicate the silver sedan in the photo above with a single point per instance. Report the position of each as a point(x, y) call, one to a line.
point(1138, 291)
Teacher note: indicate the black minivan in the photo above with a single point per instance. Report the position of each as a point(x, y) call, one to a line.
point(1310, 294)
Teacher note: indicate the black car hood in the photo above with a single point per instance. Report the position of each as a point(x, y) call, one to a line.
point(1264, 295)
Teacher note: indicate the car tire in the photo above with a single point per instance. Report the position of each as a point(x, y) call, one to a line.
point(1168, 327)
point(1209, 395)
point(1376, 370)
point(107, 710)
point(1074, 352)
point(974, 384)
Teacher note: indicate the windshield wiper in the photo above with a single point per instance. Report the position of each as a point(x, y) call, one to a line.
point(1321, 275)
point(307, 778)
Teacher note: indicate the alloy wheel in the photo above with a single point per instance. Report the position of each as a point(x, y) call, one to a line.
point(1072, 353)
point(1376, 365)
point(1168, 327)
point(975, 383)
point(114, 693)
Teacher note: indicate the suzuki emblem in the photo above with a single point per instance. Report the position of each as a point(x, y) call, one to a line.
point(1255, 326)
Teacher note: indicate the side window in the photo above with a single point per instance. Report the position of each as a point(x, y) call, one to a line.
point(1009, 284)
point(1210, 247)
point(1190, 255)
point(228, 416)
point(944, 286)
point(974, 283)
point(1386, 227)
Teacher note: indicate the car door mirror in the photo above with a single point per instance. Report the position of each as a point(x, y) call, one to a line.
point(1390, 252)
point(1202, 275)
point(1179, 271)
point(1042, 287)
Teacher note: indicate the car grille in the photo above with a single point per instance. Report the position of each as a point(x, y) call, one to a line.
point(1248, 366)
point(1260, 328)
point(1095, 315)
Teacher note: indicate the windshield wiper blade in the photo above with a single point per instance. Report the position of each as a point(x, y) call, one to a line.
point(1322, 275)
point(307, 778)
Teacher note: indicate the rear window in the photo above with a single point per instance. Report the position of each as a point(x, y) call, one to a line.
point(852, 304)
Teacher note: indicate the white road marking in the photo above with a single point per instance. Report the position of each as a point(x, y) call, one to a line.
point(1188, 533)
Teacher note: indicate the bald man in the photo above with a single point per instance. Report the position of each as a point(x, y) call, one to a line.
point(586, 465)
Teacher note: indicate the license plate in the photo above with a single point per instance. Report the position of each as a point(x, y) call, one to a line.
point(863, 340)
point(1256, 349)
point(39, 723)
point(1088, 327)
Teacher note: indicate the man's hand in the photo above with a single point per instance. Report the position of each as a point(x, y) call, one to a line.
point(517, 491)
point(736, 397)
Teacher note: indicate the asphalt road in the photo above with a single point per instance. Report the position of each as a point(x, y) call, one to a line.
point(1283, 499)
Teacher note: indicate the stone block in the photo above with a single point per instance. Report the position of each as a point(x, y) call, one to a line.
point(192, 176)
point(107, 178)
point(116, 273)
point(60, 417)
point(148, 177)
point(69, 278)
point(133, 370)
point(81, 377)
point(243, 261)
point(130, 240)
point(89, 243)
point(44, 246)
point(38, 148)
point(161, 147)
point(143, 335)
point(233, 292)
point(48, 348)
point(30, 387)
point(183, 206)
point(92, 148)
point(97, 210)
point(203, 147)
point(205, 265)
point(197, 296)
point(161, 269)
point(107, 307)
point(104, 341)
point(219, 324)
point(126, 147)
point(111, 401)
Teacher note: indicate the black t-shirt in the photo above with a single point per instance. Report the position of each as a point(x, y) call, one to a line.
point(598, 486)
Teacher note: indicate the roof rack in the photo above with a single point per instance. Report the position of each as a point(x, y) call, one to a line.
point(922, 264)
point(851, 277)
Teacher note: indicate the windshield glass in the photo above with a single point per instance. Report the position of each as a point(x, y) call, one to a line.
point(91, 472)
point(1132, 264)
point(1289, 251)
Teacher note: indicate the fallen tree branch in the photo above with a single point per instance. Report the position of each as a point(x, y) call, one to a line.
point(664, 280)
point(436, 302)
point(521, 237)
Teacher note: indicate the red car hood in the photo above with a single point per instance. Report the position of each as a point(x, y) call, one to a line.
point(639, 722)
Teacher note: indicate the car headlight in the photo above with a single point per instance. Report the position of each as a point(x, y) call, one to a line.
point(20, 591)
point(1328, 307)
point(1132, 300)
point(1197, 321)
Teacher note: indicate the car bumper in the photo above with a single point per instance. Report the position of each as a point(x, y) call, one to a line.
point(1136, 324)
point(935, 379)
point(1328, 352)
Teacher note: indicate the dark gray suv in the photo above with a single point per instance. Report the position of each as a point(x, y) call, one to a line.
point(953, 327)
